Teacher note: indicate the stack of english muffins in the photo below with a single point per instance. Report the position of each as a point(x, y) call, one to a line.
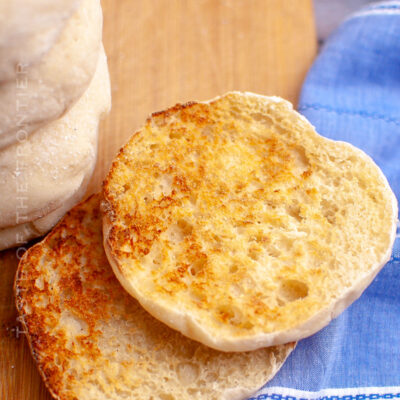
point(226, 231)
point(54, 89)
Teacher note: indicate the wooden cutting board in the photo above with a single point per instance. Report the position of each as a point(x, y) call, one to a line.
point(161, 52)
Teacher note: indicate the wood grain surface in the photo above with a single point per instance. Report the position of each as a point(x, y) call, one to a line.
point(161, 52)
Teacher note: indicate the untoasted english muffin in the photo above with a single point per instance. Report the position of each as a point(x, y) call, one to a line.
point(28, 29)
point(20, 234)
point(91, 340)
point(44, 91)
point(45, 175)
point(235, 223)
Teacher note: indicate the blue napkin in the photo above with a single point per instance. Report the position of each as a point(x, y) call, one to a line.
point(352, 93)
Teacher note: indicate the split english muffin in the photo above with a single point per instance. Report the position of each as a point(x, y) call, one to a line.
point(92, 340)
point(235, 223)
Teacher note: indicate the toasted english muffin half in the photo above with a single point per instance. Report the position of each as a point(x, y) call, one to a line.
point(235, 223)
point(91, 340)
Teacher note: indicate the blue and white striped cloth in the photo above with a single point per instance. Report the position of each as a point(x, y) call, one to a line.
point(352, 93)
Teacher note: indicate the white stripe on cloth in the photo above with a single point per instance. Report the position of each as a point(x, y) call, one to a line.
point(376, 11)
point(363, 393)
